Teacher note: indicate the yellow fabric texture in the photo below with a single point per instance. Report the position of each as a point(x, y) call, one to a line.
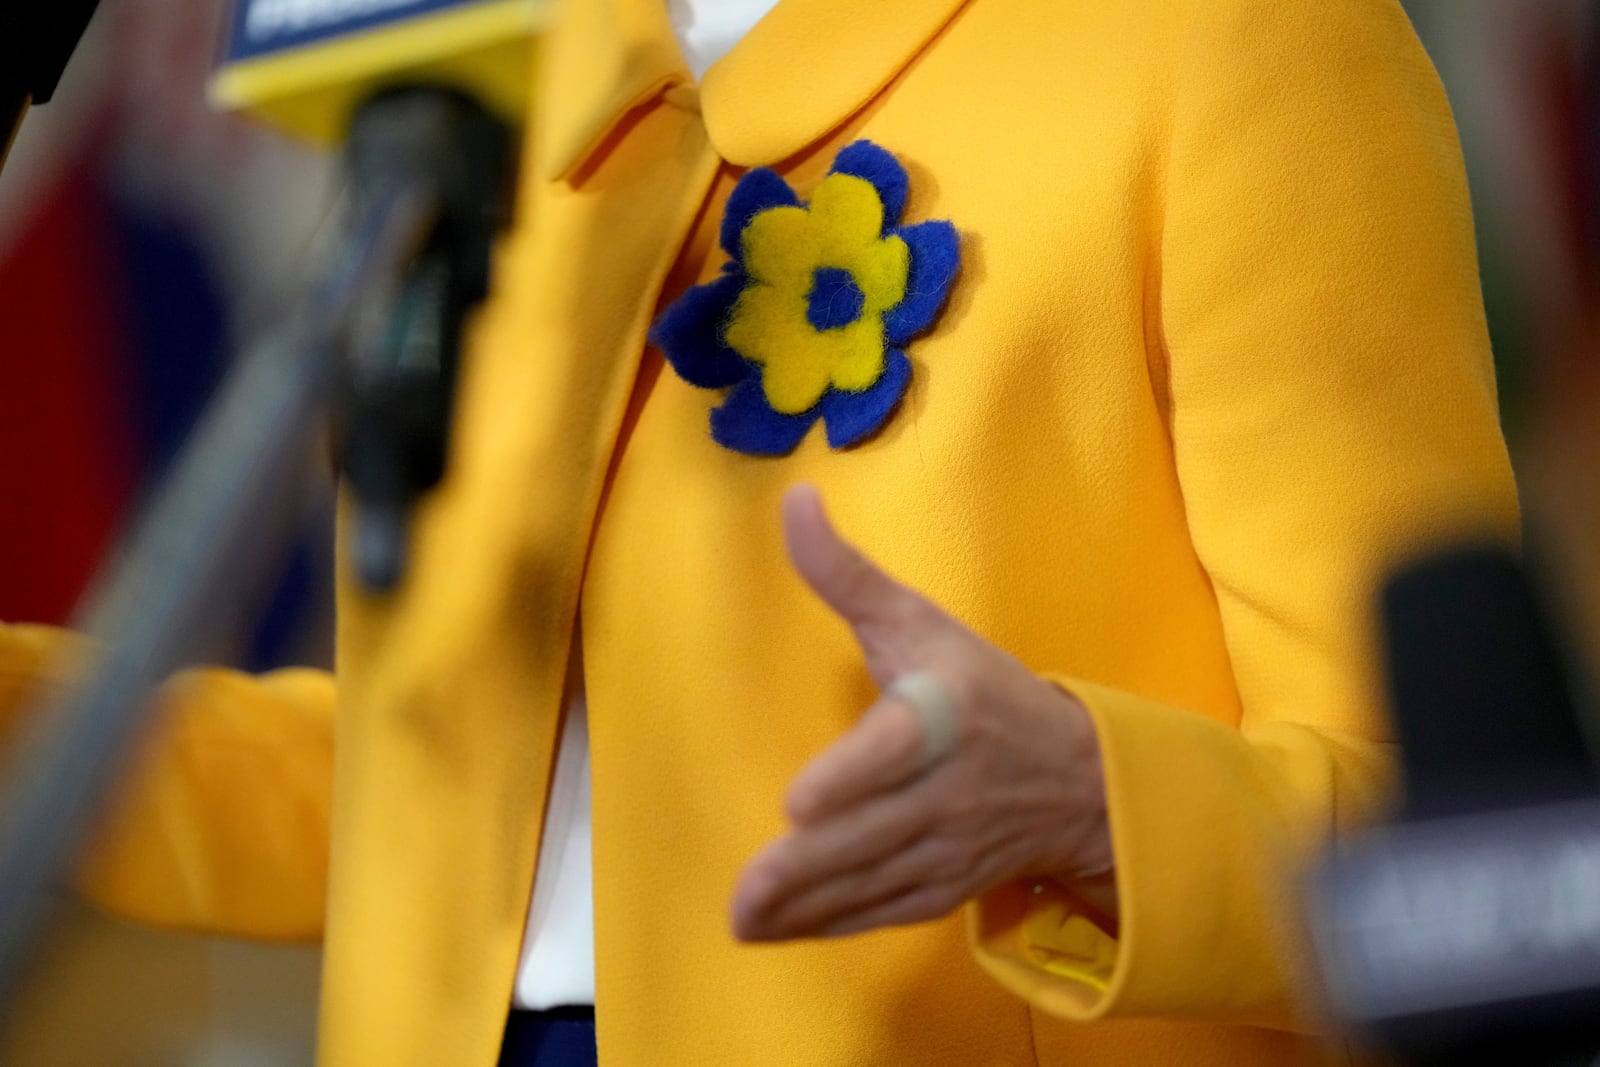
point(1216, 359)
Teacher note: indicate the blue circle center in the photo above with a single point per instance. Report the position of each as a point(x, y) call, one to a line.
point(835, 300)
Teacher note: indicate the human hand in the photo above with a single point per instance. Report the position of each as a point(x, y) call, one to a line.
point(918, 809)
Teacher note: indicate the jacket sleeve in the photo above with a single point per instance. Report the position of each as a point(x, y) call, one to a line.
point(221, 821)
point(1320, 343)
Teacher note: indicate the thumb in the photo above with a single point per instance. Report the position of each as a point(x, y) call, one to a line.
point(879, 609)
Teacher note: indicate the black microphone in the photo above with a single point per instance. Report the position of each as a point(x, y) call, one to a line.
point(1469, 931)
point(1482, 705)
point(421, 94)
point(36, 40)
point(395, 403)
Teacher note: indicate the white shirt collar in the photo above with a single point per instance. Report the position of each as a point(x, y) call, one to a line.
point(707, 30)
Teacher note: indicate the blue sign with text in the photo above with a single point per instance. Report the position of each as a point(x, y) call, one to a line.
point(263, 27)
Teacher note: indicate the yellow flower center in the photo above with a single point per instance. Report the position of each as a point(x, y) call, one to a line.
point(784, 248)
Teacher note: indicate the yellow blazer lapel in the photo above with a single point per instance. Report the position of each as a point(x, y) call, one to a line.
point(807, 67)
point(450, 691)
point(606, 58)
point(800, 73)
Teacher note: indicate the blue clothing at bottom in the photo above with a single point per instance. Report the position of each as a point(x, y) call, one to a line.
point(560, 1037)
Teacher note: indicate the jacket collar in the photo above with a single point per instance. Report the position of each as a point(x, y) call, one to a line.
point(805, 68)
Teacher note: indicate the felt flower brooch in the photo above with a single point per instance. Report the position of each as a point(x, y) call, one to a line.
point(809, 318)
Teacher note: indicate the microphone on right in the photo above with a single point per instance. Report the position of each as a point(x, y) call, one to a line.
point(1468, 930)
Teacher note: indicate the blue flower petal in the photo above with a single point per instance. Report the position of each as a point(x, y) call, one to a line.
point(746, 423)
point(850, 417)
point(689, 334)
point(758, 191)
point(935, 259)
point(866, 160)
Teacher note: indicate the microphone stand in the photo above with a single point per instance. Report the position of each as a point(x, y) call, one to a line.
point(424, 201)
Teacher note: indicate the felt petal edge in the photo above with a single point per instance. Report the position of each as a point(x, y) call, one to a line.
point(689, 334)
point(877, 166)
point(746, 423)
point(935, 261)
point(759, 190)
point(853, 417)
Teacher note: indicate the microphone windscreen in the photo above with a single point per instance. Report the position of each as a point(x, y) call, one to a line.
point(1481, 700)
point(304, 65)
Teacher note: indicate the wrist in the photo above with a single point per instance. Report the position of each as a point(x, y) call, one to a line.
point(1090, 858)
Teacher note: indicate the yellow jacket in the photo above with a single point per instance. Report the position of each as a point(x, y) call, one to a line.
point(1215, 358)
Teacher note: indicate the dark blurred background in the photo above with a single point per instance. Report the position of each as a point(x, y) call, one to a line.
point(143, 235)
point(1522, 76)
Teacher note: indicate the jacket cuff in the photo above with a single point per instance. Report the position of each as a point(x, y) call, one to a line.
point(1204, 889)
